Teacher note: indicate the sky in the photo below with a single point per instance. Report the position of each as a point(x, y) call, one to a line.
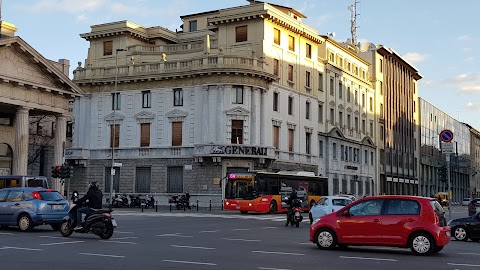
point(439, 38)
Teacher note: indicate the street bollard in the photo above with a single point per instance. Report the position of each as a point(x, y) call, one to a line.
point(156, 207)
point(197, 205)
point(210, 207)
point(142, 208)
point(184, 208)
point(222, 205)
point(170, 207)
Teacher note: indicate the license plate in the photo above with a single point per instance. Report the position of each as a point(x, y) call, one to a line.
point(114, 223)
point(57, 207)
point(297, 214)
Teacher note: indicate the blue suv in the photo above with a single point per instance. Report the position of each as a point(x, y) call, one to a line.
point(29, 207)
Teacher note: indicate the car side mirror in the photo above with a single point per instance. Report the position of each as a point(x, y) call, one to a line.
point(345, 213)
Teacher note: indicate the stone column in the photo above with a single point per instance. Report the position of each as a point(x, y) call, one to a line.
point(220, 115)
point(20, 157)
point(262, 116)
point(254, 115)
point(58, 156)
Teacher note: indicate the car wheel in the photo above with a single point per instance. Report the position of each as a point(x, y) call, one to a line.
point(25, 223)
point(325, 239)
point(437, 249)
point(422, 244)
point(56, 226)
point(273, 207)
point(66, 229)
point(310, 217)
point(460, 233)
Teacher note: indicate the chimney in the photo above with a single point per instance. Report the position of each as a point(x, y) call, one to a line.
point(65, 66)
point(7, 29)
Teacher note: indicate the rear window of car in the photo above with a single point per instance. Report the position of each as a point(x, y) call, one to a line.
point(439, 211)
point(340, 202)
point(50, 196)
point(403, 207)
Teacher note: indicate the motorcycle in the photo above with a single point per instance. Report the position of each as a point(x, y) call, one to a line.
point(296, 214)
point(120, 201)
point(149, 202)
point(181, 203)
point(100, 222)
point(135, 201)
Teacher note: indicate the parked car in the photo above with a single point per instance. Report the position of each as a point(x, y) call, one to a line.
point(466, 201)
point(351, 197)
point(411, 222)
point(29, 207)
point(465, 228)
point(326, 205)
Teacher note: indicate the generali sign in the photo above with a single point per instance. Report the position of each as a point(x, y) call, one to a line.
point(239, 150)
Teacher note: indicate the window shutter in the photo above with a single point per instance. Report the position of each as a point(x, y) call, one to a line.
point(176, 133)
point(241, 33)
point(145, 134)
point(276, 131)
point(107, 47)
point(117, 135)
point(290, 140)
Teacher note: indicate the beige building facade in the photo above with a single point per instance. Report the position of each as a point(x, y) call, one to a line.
point(30, 86)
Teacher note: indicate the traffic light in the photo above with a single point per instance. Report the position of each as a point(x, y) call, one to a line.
point(55, 171)
point(69, 171)
point(442, 173)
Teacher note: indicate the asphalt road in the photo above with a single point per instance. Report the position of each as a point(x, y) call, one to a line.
point(211, 240)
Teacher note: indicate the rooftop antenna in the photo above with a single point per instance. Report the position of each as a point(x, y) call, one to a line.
point(353, 21)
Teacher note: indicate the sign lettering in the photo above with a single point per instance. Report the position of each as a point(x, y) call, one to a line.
point(239, 150)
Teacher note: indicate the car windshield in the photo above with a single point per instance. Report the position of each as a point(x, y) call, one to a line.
point(340, 202)
point(50, 195)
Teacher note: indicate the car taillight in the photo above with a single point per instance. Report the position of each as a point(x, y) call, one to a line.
point(297, 209)
point(36, 195)
point(108, 214)
point(437, 220)
point(48, 190)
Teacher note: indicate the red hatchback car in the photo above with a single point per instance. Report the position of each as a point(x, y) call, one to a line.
point(411, 222)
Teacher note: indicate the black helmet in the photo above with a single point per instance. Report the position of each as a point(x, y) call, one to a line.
point(93, 184)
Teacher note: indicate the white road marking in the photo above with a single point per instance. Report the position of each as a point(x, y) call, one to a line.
point(269, 227)
point(365, 258)
point(122, 238)
point(191, 247)
point(31, 249)
point(476, 254)
point(6, 233)
point(304, 243)
point(269, 268)
point(174, 235)
point(123, 232)
point(279, 253)
point(464, 264)
point(102, 255)
point(53, 237)
point(245, 240)
point(118, 242)
point(242, 229)
point(62, 243)
point(209, 231)
point(187, 262)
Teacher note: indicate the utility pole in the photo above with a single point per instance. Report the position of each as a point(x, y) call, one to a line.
point(449, 189)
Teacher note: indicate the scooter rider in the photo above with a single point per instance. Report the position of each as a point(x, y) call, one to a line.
point(94, 197)
point(290, 200)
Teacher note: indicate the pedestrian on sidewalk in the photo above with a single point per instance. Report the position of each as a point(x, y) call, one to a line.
point(472, 208)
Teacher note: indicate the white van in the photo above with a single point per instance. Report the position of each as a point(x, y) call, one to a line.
point(7, 181)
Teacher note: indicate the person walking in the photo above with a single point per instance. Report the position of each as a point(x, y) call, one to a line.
point(472, 208)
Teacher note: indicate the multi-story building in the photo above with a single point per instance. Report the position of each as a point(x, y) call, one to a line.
point(475, 162)
point(243, 88)
point(433, 121)
point(396, 90)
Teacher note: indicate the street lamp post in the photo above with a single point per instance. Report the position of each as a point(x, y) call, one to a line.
point(112, 171)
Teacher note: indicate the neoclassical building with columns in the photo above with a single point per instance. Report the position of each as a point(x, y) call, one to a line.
point(30, 86)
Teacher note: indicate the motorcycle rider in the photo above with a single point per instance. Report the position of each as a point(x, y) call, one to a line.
point(94, 197)
point(290, 200)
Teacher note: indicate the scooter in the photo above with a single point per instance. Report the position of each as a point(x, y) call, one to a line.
point(120, 201)
point(100, 222)
point(296, 215)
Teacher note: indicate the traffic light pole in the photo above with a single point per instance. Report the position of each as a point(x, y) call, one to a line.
point(449, 188)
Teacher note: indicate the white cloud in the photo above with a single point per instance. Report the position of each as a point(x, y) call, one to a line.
point(468, 83)
point(472, 106)
point(414, 57)
point(467, 49)
point(469, 59)
point(464, 38)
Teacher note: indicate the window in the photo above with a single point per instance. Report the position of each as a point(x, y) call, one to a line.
point(193, 26)
point(371, 129)
point(290, 139)
point(363, 100)
point(114, 135)
point(308, 137)
point(116, 101)
point(332, 116)
point(349, 121)
point(356, 123)
point(307, 79)
point(143, 177)
point(364, 126)
point(380, 65)
point(175, 179)
point(276, 137)
point(332, 90)
point(348, 94)
point(381, 88)
point(342, 153)
point(403, 207)
point(366, 157)
point(381, 110)
point(320, 81)
point(241, 33)
point(237, 132)
point(177, 133)
point(290, 73)
point(146, 99)
point(307, 110)
point(108, 47)
point(334, 150)
point(275, 67)
point(371, 104)
point(238, 90)
point(276, 36)
point(320, 113)
point(371, 158)
point(320, 148)
point(367, 208)
point(291, 43)
point(177, 97)
point(275, 101)
point(145, 134)
point(108, 179)
point(356, 97)
point(340, 119)
point(340, 90)
point(308, 50)
point(290, 105)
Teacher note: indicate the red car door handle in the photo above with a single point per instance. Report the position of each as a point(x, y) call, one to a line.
point(376, 220)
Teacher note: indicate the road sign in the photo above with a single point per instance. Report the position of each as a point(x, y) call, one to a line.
point(117, 164)
point(447, 148)
point(446, 136)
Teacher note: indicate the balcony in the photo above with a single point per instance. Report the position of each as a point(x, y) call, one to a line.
point(130, 153)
